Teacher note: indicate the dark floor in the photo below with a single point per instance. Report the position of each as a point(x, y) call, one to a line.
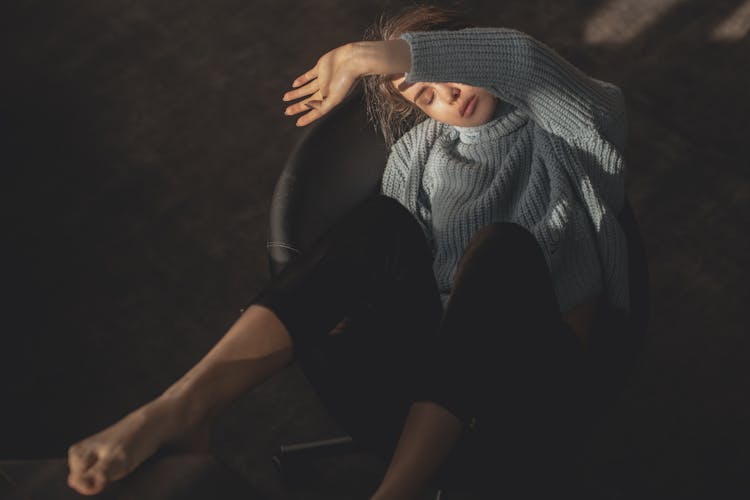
point(140, 144)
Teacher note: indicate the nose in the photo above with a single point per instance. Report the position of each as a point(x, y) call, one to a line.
point(448, 92)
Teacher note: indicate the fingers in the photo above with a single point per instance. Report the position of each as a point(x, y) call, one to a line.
point(306, 77)
point(315, 98)
point(313, 101)
point(303, 106)
point(310, 117)
point(308, 89)
point(316, 106)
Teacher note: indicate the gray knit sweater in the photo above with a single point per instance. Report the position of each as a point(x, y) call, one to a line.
point(550, 160)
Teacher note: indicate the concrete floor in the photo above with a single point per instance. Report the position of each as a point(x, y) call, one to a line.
point(140, 143)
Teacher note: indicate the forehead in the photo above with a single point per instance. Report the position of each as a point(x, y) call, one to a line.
point(400, 84)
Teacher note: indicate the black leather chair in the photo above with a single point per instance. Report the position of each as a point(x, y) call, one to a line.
point(339, 161)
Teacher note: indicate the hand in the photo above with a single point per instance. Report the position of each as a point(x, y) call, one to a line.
point(325, 86)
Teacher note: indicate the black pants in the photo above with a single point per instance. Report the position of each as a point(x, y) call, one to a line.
point(499, 357)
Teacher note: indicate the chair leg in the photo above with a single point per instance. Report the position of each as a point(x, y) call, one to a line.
point(291, 457)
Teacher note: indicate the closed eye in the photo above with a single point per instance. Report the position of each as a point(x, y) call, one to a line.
point(418, 96)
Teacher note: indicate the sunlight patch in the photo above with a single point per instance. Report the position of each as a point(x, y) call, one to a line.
point(620, 21)
point(559, 216)
point(597, 210)
point(735, 27)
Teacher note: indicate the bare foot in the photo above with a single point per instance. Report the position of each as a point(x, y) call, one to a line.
point(116, 451)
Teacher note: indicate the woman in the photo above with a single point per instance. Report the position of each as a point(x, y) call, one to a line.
point(472, 282)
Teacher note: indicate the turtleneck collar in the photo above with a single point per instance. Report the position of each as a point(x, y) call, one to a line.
point(505, 120)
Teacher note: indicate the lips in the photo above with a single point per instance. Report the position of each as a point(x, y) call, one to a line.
point(466, 105)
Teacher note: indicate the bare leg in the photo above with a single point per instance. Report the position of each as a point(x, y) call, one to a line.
point(429, 434)
point(255, 347)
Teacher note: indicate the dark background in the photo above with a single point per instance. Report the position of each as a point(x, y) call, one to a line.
point(140, 142)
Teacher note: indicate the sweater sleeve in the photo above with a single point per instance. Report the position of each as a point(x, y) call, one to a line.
point(520, 70)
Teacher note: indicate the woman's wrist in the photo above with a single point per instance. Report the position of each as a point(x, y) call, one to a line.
point(387, 57)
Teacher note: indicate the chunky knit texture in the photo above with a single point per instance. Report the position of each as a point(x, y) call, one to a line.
point(551, 160)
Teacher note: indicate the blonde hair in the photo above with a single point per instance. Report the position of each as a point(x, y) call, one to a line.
point(386, 108)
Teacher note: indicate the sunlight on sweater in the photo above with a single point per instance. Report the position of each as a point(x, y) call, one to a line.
point(598, 210)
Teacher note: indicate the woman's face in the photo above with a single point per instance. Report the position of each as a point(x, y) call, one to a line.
point(451, 103)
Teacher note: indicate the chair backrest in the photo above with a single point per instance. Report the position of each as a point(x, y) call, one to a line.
point(339, 161)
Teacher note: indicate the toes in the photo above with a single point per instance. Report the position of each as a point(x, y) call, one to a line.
point(91, 471)
point(97, 480)
point(87, 484)
point(80, 458)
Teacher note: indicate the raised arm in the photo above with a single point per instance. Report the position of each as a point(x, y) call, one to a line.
point(520, 70)
point(327, 84)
